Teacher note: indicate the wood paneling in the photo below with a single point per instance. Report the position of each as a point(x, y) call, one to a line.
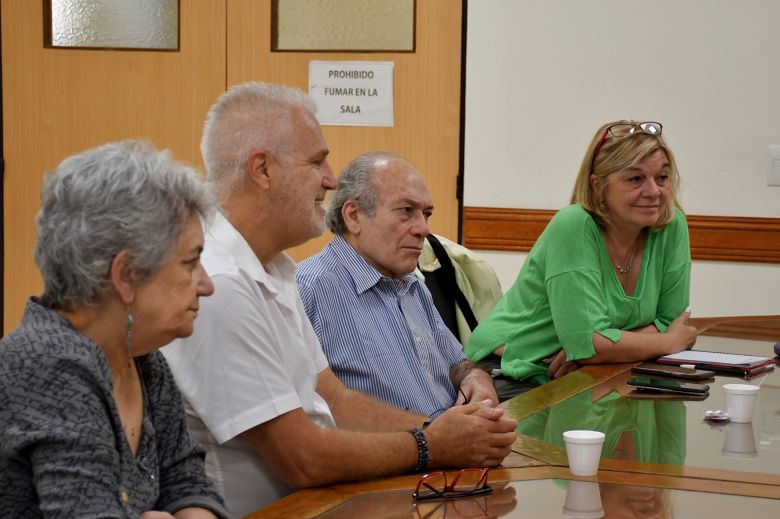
point(60, 101)
point(764, 330)
point(426, 97)
point(733, 238)
point(495, 228)
point(715, 238)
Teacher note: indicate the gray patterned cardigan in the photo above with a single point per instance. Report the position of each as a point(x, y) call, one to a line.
point(63, 450)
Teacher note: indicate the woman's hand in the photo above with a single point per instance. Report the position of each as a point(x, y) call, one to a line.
point(559, 366)
point(682, 334)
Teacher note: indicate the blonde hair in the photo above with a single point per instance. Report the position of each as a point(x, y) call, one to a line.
point(616, 154)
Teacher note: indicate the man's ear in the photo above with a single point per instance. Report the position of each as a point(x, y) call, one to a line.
point(122, 277)
point(257, 169)
point(350, 213)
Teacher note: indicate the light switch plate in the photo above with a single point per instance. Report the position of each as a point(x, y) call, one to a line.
point(773, 166)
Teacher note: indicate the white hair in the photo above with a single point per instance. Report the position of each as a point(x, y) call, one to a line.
point(246, 117)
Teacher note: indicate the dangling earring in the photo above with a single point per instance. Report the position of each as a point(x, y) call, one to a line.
point(602, 207)
point(129, 336)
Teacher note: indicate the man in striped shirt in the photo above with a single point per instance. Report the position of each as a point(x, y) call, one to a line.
point(373, 315)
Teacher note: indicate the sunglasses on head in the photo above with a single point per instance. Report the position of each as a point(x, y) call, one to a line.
point(624, 130)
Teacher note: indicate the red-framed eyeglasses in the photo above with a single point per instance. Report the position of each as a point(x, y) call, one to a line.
point(624, 130)
point(467, 482)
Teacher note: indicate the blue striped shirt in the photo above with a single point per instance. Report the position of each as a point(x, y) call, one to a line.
point(382, 336)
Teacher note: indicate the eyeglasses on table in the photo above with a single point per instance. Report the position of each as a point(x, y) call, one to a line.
point(465, 483)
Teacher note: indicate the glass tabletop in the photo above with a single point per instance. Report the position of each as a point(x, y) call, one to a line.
point(553, 498)
point(662, 429)
point(731, 458)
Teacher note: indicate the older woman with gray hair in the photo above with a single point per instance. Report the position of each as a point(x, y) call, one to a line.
point(92, 422)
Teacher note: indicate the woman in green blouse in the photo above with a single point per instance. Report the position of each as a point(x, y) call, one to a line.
point(609, 278)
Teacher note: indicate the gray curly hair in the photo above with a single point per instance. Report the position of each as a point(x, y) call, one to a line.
point(249, 116)
point(119, 196)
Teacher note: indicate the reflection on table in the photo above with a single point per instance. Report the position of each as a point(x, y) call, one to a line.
point(557, 498)
point(665, 430)
point(650, 431)
point(661, 459)
point(497, 503)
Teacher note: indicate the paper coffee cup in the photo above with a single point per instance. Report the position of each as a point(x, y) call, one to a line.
point(740, 400)
point(583, 448)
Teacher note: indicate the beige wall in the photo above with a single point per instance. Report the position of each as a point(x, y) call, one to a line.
point(542, 76)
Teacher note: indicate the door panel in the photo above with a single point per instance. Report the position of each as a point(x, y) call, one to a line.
point(426, 87)
point(59, 101)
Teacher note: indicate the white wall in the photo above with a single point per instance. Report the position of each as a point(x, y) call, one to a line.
point(543, 75)
point(717, 288)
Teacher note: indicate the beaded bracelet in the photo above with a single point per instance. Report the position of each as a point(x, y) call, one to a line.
point(422, 450)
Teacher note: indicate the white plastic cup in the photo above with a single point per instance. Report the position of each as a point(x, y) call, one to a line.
point(740, 400)
point(583, 500)
point(583, 448)
point(739, 441)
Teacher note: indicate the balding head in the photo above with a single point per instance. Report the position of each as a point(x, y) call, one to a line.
point(357, 183)
point(381, 208)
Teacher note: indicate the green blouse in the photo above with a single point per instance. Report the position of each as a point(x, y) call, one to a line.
point(567, 289)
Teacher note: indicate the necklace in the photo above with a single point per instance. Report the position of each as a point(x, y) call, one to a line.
point(628, 262)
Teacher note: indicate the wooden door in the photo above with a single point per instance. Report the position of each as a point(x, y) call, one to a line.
point(426, 88)
point(59, 101)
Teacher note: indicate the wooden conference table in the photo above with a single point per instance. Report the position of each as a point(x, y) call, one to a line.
point(660, 458)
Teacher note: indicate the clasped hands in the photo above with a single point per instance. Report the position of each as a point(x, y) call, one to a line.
point(476, 434)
